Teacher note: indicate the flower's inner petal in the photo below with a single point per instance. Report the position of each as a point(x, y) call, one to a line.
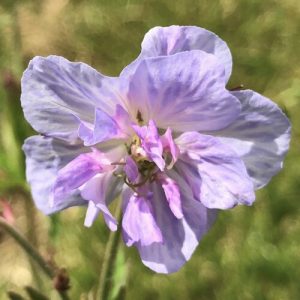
point(100, 191)
point(105, 127)
point(123, 120)
point(79, 171)
point(110, 221)
point(151, 143)
point(131, 169)
point(172, 193)
point(222, 174)
point(170, 146)
point(138, 222)
point(93, 212)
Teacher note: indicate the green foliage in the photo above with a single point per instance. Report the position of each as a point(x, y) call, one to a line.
point(251, 252)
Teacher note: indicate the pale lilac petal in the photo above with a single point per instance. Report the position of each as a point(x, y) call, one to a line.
point(222, 174)
point(110, 220)
point(44, 157)
point(91, 214)
point(260, 136)
point(180, 236)
point(160, 41)
point(170, 146)
point(77, 172)
point(139, 224)
point(56, 94)
point(123, 120)
point(131, 169)
point(104, 128)
point(100, 191)
point(184, 91)
point(172, 194)
point(151, 143)
point(190, 174)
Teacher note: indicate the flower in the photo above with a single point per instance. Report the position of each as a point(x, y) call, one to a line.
point(166, 134)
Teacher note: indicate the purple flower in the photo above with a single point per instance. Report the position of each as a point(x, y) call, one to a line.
point(166, 134)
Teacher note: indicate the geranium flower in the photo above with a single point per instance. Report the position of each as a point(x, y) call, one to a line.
point(166, 134)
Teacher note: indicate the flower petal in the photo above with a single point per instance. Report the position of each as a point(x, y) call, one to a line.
point(78, 172)
point(260, 136)
point(151, 143)
point(101, 190)
point(172, 194)
point(104, 128)
point(91, 214)
point(221, 173)
point(56, 94)
point(139, 225)
point(184, 91)
point(180, 236)
point(44, 157)
point(170, 146)
point(160, 41)
point(131, 169)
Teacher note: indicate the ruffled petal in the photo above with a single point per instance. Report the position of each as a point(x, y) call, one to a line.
point(56, 94)
point(101, 190)
point(105, 128)
point(160, 41)
point(131, 169)
point(169, 146)
point(260, 136)
point(44, 157)
point(180, 236)
point(172, 193)
point(184, 91)
point(222, 175)
point(139, 224)
point(78, 172)
point(151, 143)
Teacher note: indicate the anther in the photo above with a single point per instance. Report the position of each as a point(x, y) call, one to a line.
point(139, 117)
point(237, 88)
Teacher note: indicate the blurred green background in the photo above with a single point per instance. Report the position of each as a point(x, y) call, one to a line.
point(251, 252)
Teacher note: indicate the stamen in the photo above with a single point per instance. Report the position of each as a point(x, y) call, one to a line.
point(139, 117)
point(119, 175)
point(237, 88)
point(118, 163)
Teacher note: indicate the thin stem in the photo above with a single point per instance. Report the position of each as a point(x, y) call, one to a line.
point(63, 295)
point(109, 259)
point(31, 251)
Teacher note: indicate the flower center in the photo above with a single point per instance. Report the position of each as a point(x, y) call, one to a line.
point(143, 169)
point(149, 153)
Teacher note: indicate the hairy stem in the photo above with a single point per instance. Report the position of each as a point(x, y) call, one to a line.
point(109, 260)
point(31, 251)
point(27, 247)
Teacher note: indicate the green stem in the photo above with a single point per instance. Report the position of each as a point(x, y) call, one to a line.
point(109, 259)
point(31, 251)
point(64, 295)
point(28, 248)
